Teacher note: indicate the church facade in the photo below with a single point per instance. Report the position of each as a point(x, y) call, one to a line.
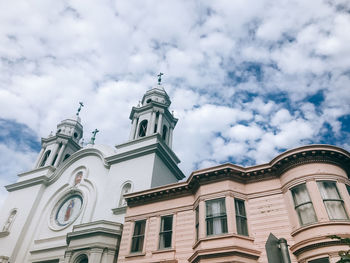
point(70, 207)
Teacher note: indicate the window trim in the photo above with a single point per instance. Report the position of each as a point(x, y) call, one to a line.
point(239, 216)
point(133, 237)
point(302, 204)
point(221, 216)
point(340, 200)
point(164, 232)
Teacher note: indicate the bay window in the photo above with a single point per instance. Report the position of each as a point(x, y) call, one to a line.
point(332, 200)
point(303, 205)
point(216, 218)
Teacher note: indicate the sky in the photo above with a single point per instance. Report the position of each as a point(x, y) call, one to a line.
point(247, 79)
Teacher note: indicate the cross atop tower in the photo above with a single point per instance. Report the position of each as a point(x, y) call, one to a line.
point(93, 138)
point(160, 77)
point(79, 109)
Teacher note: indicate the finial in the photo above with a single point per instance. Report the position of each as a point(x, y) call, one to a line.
point(79, 109)
point(160, 77)
point(51, 134)
point(139, 105)
point(172, 113)
point(82, 142)
point(92, 141)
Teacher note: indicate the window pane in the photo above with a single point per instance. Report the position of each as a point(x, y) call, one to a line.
point(335, 210)
point(306, 214)
point(300, 195)
point(138, 237)
point(348, 188)
point(328, 190)
point(216, 217)
point(165, 233)
point(303, 205)
point(241, 218)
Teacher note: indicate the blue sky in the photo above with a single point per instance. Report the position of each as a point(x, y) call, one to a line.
point(247, 79)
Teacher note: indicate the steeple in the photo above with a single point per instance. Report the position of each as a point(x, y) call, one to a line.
point(153, 116)
point(57, 148)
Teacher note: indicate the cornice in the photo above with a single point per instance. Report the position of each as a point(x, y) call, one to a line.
point(279, 165)
point(27, 183)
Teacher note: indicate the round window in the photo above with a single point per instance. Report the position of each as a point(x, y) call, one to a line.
point(69, 210)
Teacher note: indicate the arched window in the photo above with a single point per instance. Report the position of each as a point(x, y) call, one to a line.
point(125, 190)
point(66, 157)
point(9, 221)
point(143, 128)
point(46, 155)
point(82, 259)
point(165, 130)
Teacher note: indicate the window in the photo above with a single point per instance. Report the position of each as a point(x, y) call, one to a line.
point(348, 188)
point(165, 130)
point(241, 218)
point(126, 189)
point(138, 236)
point(319, 260)
point(82, 259)
point(197, 222)
point(166, 230)
point(216, 217)
point(303, 205)
point(332, 200)
point(46, 155)
point(143, 128)
point(9, 221)
point(66, 157)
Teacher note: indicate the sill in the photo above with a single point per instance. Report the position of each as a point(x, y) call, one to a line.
point(163, 250)
point(220, 236)
point(135, 254)
point(318, 224)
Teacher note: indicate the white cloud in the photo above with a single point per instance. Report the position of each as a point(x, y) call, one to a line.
point(239, 73)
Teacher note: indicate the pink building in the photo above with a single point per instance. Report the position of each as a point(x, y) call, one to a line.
point(226, 213)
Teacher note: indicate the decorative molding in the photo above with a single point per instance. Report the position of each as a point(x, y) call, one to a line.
point(119, 210)
point(159, 213)
point(27, 183)
point(279, 165)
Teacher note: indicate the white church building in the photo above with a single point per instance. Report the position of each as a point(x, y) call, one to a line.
point(71, 204)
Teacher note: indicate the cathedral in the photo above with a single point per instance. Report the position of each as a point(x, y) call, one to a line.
point(72, 200)
point(100, 204)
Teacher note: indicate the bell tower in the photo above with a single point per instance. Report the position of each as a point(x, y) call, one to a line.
point(152, 116)
point(55, 149)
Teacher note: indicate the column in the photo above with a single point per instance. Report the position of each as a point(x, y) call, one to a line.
point(317, 201)
point(230, 214)
point(170, 144)
point(132, 132)
point(202, 222)
point(38, 160)
point(96, 255)
point(150, 124)
point(67, 257)
point(159, 125)
point(52, 154)
point(108, 256)
point(59, 157)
